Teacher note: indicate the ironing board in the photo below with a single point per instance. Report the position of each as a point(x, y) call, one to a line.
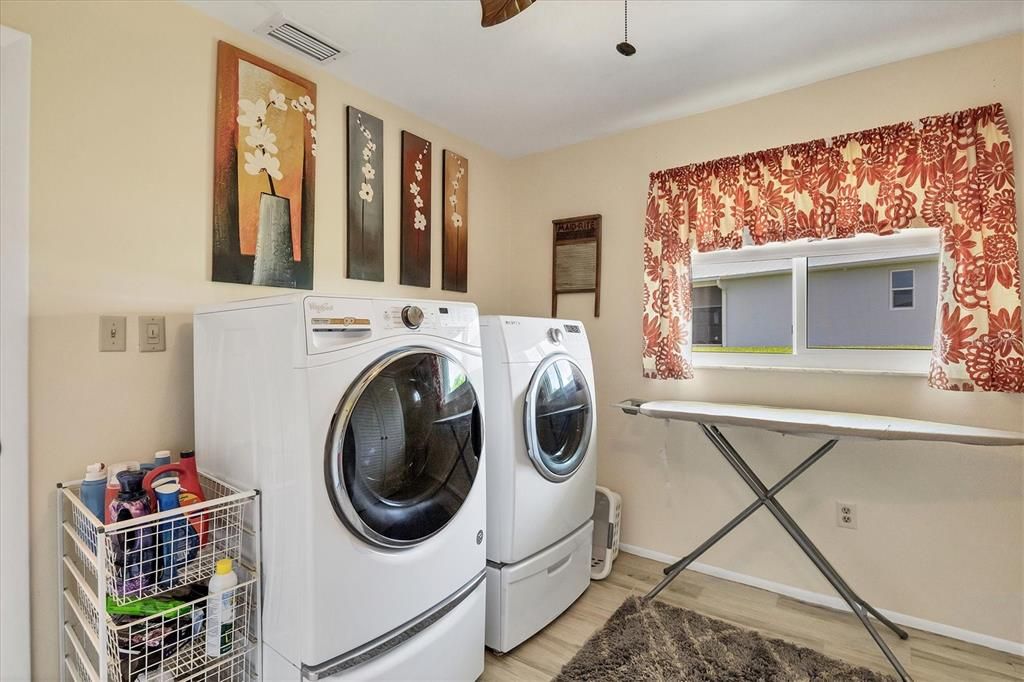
point(828, 426)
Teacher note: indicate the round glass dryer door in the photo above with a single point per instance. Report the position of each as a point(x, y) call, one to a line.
point(558, 416)
point(404, 448)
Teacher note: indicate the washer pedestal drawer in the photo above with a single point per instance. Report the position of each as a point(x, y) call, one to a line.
point(452, 648)
point(524, 597)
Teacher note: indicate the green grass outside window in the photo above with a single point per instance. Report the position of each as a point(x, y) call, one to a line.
point(788, 350)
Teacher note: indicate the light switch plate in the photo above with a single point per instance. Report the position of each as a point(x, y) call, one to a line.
point(112, 331)
point(152, 334)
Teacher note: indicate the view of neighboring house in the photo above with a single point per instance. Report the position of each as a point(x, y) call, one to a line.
point(849, 305)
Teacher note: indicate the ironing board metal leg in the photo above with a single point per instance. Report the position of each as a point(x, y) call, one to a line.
point(805, 544)
point(675, 569)
point(720, 441)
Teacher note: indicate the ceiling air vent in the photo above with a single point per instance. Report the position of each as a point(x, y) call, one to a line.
point(300, 39)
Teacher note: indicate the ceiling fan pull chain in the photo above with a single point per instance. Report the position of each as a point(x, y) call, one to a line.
point(625, 48)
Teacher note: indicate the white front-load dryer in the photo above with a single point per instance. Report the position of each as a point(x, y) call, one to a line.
point(542, 471)
point(361, 422)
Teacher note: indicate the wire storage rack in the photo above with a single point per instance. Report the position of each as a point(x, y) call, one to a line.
point(133, 601)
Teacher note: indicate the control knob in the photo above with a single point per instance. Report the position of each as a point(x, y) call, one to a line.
point(412, 316)
point(556, 335)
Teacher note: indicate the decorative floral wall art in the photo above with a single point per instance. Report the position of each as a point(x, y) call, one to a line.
point(455, 259)
point(264, 173)
point(365, 196)
point(416, 192)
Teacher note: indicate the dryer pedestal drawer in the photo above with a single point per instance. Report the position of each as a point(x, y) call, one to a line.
point(524, 597)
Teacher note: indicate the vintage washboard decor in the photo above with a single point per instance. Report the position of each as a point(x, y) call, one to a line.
point(577, 259)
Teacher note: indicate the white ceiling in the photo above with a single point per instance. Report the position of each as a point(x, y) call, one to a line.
point(551, 76)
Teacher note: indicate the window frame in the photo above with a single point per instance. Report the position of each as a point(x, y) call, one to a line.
point(913, 243)
point(893, 289)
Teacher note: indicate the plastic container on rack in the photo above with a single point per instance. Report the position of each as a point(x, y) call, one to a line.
point(157, 632)
point(220, 609)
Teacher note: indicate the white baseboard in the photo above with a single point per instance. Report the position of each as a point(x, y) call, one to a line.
point(836, 603)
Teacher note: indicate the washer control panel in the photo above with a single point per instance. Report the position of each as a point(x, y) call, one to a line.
point(335, 322)
point(427, 315)
point(410, 316)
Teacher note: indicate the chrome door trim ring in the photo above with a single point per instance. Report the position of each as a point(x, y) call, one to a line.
point(394, 638)
point(333, 471)
point(533, 448)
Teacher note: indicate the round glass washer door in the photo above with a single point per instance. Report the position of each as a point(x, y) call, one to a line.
point(404, 448)
point(558, 417)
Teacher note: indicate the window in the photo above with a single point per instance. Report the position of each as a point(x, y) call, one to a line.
point(707, 315)
point(901, 295)
point(863, 303)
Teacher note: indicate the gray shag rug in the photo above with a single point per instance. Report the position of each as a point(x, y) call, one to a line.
point(656, 641)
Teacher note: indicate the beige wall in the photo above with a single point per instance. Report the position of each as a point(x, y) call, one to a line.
point(941, 532)
point(120, 223)
point(122, 161)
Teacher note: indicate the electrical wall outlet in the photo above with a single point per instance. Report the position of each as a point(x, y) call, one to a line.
point(112, 332)
point(846, 515)
point(151, 333)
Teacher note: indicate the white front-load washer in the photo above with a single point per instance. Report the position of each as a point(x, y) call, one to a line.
point(542, 471)
point(361, 423)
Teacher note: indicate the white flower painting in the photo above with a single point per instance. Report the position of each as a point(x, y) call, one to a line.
point(365, 196)
point(416, 160)
point(454, 243)
point(264, 173)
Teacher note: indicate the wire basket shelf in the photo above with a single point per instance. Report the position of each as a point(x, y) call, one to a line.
point(133, 593)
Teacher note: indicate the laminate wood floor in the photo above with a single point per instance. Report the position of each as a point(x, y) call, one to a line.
point(926, 656)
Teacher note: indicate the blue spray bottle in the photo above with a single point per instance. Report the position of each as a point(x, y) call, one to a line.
point(177, 538)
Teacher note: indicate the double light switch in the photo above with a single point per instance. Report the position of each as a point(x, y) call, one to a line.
point(152, 336)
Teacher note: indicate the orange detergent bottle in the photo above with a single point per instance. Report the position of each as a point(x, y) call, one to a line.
point(191, 489)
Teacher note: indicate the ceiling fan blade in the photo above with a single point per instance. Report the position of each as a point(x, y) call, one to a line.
point(496, 11)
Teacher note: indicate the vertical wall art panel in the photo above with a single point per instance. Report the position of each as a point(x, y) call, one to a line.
point(416, 193)
point(365, 196)
point(455, 259)
point(264, 173)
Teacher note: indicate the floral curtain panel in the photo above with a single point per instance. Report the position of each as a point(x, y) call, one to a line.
point(954, 172)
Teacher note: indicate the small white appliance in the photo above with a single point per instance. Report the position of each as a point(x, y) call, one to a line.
point(361, 422)
point(607, 517)
point(541, 442)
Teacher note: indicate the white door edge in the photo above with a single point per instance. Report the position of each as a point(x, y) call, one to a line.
point(15, 621)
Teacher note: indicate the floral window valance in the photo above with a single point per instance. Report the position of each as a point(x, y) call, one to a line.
point(954, 172)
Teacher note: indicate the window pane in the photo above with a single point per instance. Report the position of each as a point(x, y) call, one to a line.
point(854, 306)
point(902, 279)
point(707, 325)
point(704, 296)
point(903, 298)
point(755, 316)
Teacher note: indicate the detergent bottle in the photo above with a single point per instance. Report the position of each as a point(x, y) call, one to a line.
point(191, 488)
point(93, 490)
point(114, 487)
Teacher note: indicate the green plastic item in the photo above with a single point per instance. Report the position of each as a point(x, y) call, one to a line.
point(150, 606)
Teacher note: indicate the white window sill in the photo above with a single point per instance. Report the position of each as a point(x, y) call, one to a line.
point(815, 370)
point(872, 362)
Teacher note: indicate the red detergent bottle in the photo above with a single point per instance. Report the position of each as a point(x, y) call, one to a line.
point(191, 488)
